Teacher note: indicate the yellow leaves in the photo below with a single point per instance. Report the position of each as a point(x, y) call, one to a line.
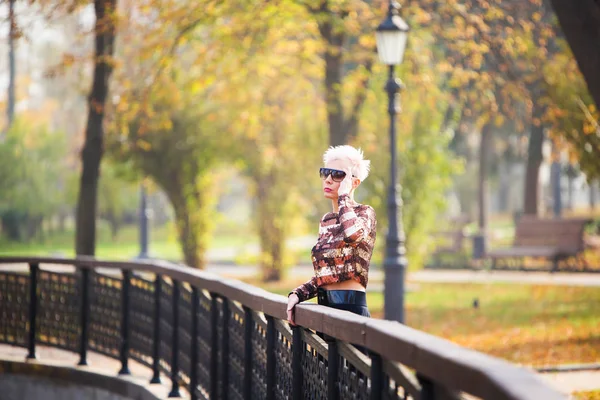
point(143, 144)
point(589, 129)
point(459, 22)
point(499, 120)
point(367, 41)
point(476, 60)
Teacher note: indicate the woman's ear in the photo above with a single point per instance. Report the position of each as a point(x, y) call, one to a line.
point(355, 183)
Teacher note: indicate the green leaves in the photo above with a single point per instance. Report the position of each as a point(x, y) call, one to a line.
point(33, 170)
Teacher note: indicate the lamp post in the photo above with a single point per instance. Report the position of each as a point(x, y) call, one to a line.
point(391, 43)
point(143, 222)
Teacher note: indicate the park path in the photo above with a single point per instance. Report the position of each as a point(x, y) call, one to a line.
point(428, 275)
point(97, 363)
point(575, 381)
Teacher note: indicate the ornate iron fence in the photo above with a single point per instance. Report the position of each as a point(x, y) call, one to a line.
point(222, 339)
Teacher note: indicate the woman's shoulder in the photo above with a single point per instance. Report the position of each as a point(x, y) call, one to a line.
point(365, 208)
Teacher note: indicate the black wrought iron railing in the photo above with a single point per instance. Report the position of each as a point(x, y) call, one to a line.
point(223, 339)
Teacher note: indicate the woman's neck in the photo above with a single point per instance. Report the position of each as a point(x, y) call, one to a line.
point(335, 205)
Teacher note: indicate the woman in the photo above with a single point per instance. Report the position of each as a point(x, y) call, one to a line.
point(343, 250)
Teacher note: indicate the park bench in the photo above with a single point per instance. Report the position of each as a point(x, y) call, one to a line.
point(452, 239)
point(555, 240)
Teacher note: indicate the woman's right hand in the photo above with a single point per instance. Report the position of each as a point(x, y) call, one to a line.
point(292, 301)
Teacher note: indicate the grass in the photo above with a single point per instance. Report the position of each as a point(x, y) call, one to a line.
point(163, 243)
point(587, 395)
point(525, 324)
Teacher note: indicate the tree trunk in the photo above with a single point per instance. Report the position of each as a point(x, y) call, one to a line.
point(534, 161)
point(12, 225)
point(91, 155)
point(485, 148)
point(62, 221)
point(188, 231)
point(580, 22)
point(33, 228)
point(480, 239)
point(570, 191)
point(592, 185)
point(343, 126)
point(11, 62)
point(334, 42)
point(113, 221)
point(555, 172)
point(272, 239)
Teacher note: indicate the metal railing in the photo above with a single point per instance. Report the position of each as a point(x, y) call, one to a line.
point(223, 339)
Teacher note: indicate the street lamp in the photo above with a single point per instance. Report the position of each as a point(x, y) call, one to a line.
point(143, 222)
point(391, 43)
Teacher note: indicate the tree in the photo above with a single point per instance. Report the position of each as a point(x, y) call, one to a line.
point(580, 22)
point(513, 42)
point(12, 36)
point(173, 143)
point(168, 120)
point(32, 171)
point(91, 154)
point(346, 30)
point(275, 119)
point(572, 115)
point(283, 131)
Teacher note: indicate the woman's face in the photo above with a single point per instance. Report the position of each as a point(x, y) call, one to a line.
point(330, 187)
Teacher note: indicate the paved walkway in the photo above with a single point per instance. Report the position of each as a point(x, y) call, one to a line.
point(576, 381)
point(97, 363)
point(451, 276)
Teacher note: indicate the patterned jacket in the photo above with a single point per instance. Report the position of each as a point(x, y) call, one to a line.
point(344, 248)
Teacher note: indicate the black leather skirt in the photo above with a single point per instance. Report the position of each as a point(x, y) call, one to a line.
point(354, 301)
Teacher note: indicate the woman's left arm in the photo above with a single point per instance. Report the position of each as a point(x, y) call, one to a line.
point(357, 226)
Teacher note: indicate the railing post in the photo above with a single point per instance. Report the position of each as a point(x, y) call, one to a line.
point(297, 353)
point(427, 387)
point(214, 347)
point(225, 349)
point(248, 328)
point(125, 331)
point(333, 390)
point(156, 344)
point(33, 277)
point(175, 346)
point(376, 376)
point(85, 315)
point(271, 360)
point(194, 346)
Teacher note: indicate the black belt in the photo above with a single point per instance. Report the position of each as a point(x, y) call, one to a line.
point(330, 297)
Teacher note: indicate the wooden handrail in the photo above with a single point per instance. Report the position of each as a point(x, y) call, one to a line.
point(441, 361)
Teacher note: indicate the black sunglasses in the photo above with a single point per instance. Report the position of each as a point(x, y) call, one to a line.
point(336, 174)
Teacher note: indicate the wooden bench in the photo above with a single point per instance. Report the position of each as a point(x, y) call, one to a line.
point(454, 237)
point(552, 239)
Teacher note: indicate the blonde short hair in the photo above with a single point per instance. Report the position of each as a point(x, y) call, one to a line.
point(358, 165)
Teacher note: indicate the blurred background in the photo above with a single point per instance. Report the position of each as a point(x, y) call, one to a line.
point(207, 121)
